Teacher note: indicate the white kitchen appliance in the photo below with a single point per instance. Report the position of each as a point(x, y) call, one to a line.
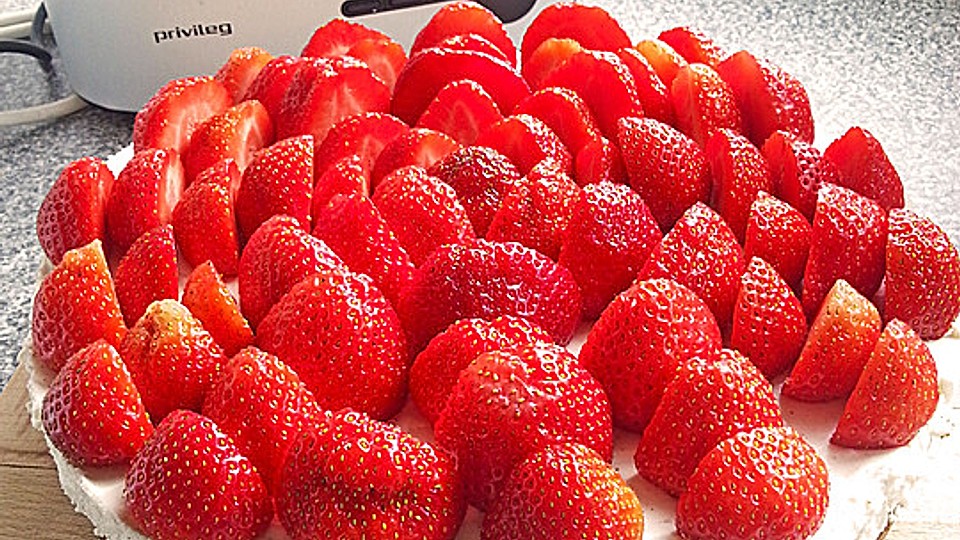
point(117, 53)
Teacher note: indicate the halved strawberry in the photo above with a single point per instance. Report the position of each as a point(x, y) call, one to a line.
point(75, 305)
point(339, 37)
point(147, 272)
point(92, 411)
point(236, 133)
point(667, 168)
point(539, 496)
point(385, 57)
point(341, 336)
point(771, 471)
point(526, 141)
point(797, 170)
point(364, 135)
point(664, 59)
point(143, 197)
point(654, 94)
point(168, 119)
point(204, 221)
point(839, 343)
point(474, 42)
point(548, 56)
point(590, 26)
point(209, 300)
point(703, 103)
point(463, 110)
point(460, 18)
point(346, 177)
point(710, 399)
point(695, 46)
point(272, 82)
point(896, 394)
point(865, 168)
point(241, 69)
point(599, 161)
point(190, 478)
point(777, 233)
point(639, 342)
point(739, 173)
point(72, 212)
point(922, 276)
point(419, 147)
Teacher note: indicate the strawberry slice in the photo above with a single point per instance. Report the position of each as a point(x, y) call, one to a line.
point(72, 212)
point(922, 276)
point(417, 147)
point(663, 58)
point(474, 42)
point(75, 305)
point(865, 168)
point(547, 57)
point(703, 103)
point(599, 161)
point(535, 498)
point(385, 57)
point(279, 180)
point(768, 322)
point(143, 197)
point(463, 110)
point(168, 119)
point(237, 133)
point(209, 300)
point(739, 173)
point(609, 237)
point(272, 82)
point(341, 336)
point(364, 135)
point(481, 177)
point(241, 69)
point(797, 170)
point(462, 18)
point(693, 45)
point(639, 342)
point(527, 141)
point(896, 394)
point(423, 212)
point(92, 411)
point(777, 233)
point(339, 37)
point(709, 400)
point(170, 496)
point(769, 98)
point(147, 272)
point(839, 344)
point(772, 471)
point(509, 403)
point(590, 26)
point(667, 168)
point(346, 177)
point(204, 221)
point(430, 70)
point(654, 95)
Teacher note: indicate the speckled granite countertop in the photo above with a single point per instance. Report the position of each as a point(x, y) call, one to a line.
point(891, 67)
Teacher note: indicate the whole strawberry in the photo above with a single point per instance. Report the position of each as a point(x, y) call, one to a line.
point(191, 481)
point(209, 300)
point(72, 212)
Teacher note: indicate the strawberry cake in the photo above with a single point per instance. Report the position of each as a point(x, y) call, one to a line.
point(575, 286)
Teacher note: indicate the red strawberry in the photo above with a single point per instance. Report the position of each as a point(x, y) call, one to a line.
point(710, 399)
point(92, 411)
point(172, 359)
point(191, 480)
point(664, 59)
point(701, 253)
point(430, 70)
point(537, 210)
point(488, 279)
point(509, 403)
point(364, 135)
point(168, 119)
point(771, 471)
point(279, 254)
point(147, 272)
point(654, 94)
point(769, 98)
point(610, 234)
point(768, 322)
point(435, 370)
point(236, 133)
point(592, 27)
point(922, 275)
point(143, 197)
point(385, 57)
point(703, 103)
point(72, 212)
point(354, 229)
point(865, 168)
point(272, 82)
point(209, 300)
point(847, 242)
point(840, 341)
point(418, 147)
point(481, 177)
point(693, 45)
point(739, 173)
point(338, 332)
point(278, 181)
point(599, 161)
point(550, 54)
point(204, 221)
point(75, 305)
point(476, 43)
point(667, 168)
point(262, 405)
point(460, 18)
point(896, 394)
point(241, 69)
point(463, 110)
point(345, 177)
point(797, 171)
point(526, 141)
point(422, 212)
point(639, 342)
point(777, 233)
point(537, 499)
point(340, 37)
point(359, 478)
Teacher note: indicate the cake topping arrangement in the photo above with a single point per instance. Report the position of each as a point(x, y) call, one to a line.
point(533, 253)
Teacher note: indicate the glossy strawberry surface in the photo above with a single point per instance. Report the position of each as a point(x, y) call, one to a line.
point(72, 212)
point(146, 273)
point(170, 117)
point(211, 302)
point(481, 177)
